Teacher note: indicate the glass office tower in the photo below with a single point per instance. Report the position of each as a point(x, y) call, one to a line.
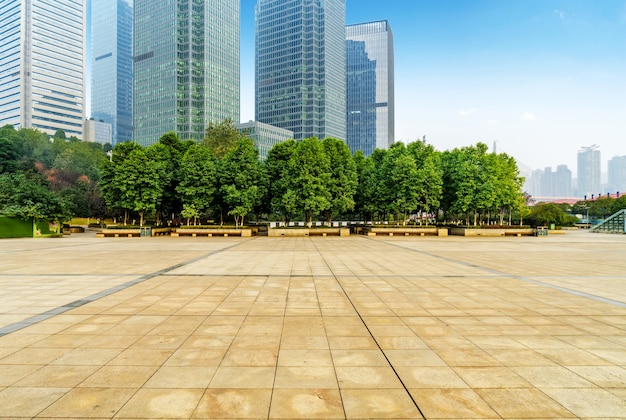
point(112, 66)
point(370, 86)
point(186, 67)
point(42, 65)
point(589, 172)
point(300, 82)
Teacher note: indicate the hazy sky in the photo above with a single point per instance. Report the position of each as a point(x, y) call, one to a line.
point(543, 78)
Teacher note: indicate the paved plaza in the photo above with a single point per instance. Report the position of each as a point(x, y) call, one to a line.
point(333, 328)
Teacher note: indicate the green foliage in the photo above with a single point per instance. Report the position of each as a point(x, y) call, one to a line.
point(27, 197)
point(197, 181)
point(277, 170)
point(550, 213)
point(221, 137)
point(476, 183)
point(9, 155)
point(343, 180)
point(309, 170)
point(242, 180)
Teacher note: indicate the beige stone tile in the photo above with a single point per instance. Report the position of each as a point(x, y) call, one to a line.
point(491, 377)
point(243, 377)
point(516, 357)
point(196, 357)
point(379, 404)
point(160, 341)
point(120, 377)
point(84, 357)
point(69, 341)
point(311, 403)
point(304, 343)
point(374, 377)
point(244, 357)
point(33, 356)
point(111, 341)
point(401, 343)
point(89, 403)
point(234, 404)
point(614, 356)
point(305, 377)
point(589, 402)
point(527, 403)
point(602, 376)
point(179, 377)
point(431, 377)
point(53, 376)
point(467, 357)
point(13, 373)
point(27, 402)
point(552, 377)
point(257, 342)
point(359, 358)
point(141, 357)
point(352, 343)
point(573, 357)
point(162, 404)
point(448, 403)
point(401, 358)
point(207, 341)
point(305, 358)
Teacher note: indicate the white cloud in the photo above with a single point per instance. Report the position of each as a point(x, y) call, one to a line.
point(561, 14)
point(466, 112)
point(493, 122)
point(528, 116)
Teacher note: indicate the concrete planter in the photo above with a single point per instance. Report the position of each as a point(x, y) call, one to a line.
point(244, 232)
point(301, 232)
point(402, 231)
point(493, 232)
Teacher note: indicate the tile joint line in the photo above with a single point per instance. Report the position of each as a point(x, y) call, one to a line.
point(8, 329)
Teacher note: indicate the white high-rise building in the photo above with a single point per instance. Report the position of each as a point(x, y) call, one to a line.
point(42, 65)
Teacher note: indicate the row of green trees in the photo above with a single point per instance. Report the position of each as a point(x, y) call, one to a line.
point(223, 176)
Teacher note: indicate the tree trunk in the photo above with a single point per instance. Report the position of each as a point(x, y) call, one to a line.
point(141, 218)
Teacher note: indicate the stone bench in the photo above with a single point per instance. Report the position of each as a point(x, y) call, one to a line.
point(116, 233)
point(246, 232)
point(401, 231)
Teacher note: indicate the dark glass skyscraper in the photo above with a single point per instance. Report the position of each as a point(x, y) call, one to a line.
point(42, 65)
point(186, 67)
point(112, 65)
point(370, 109)
point(300, 66)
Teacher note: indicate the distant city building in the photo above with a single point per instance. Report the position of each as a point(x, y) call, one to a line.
point(186, 67)
point(112, 65)
point(617, 175)
point(300, 66)
point(265, 136)
point(588, 172)
point(534, 183)
point(42, 65)
point(97, 131)
point(370, 86)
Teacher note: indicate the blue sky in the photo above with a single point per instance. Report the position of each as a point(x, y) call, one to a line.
point(541, 77)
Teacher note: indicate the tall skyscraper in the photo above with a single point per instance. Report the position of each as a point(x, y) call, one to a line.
point(300, 66)
point(588, 171)
point(42, 65)
point(370, 109)
point(186, 67)
point(112, 65)
point(617, 175)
